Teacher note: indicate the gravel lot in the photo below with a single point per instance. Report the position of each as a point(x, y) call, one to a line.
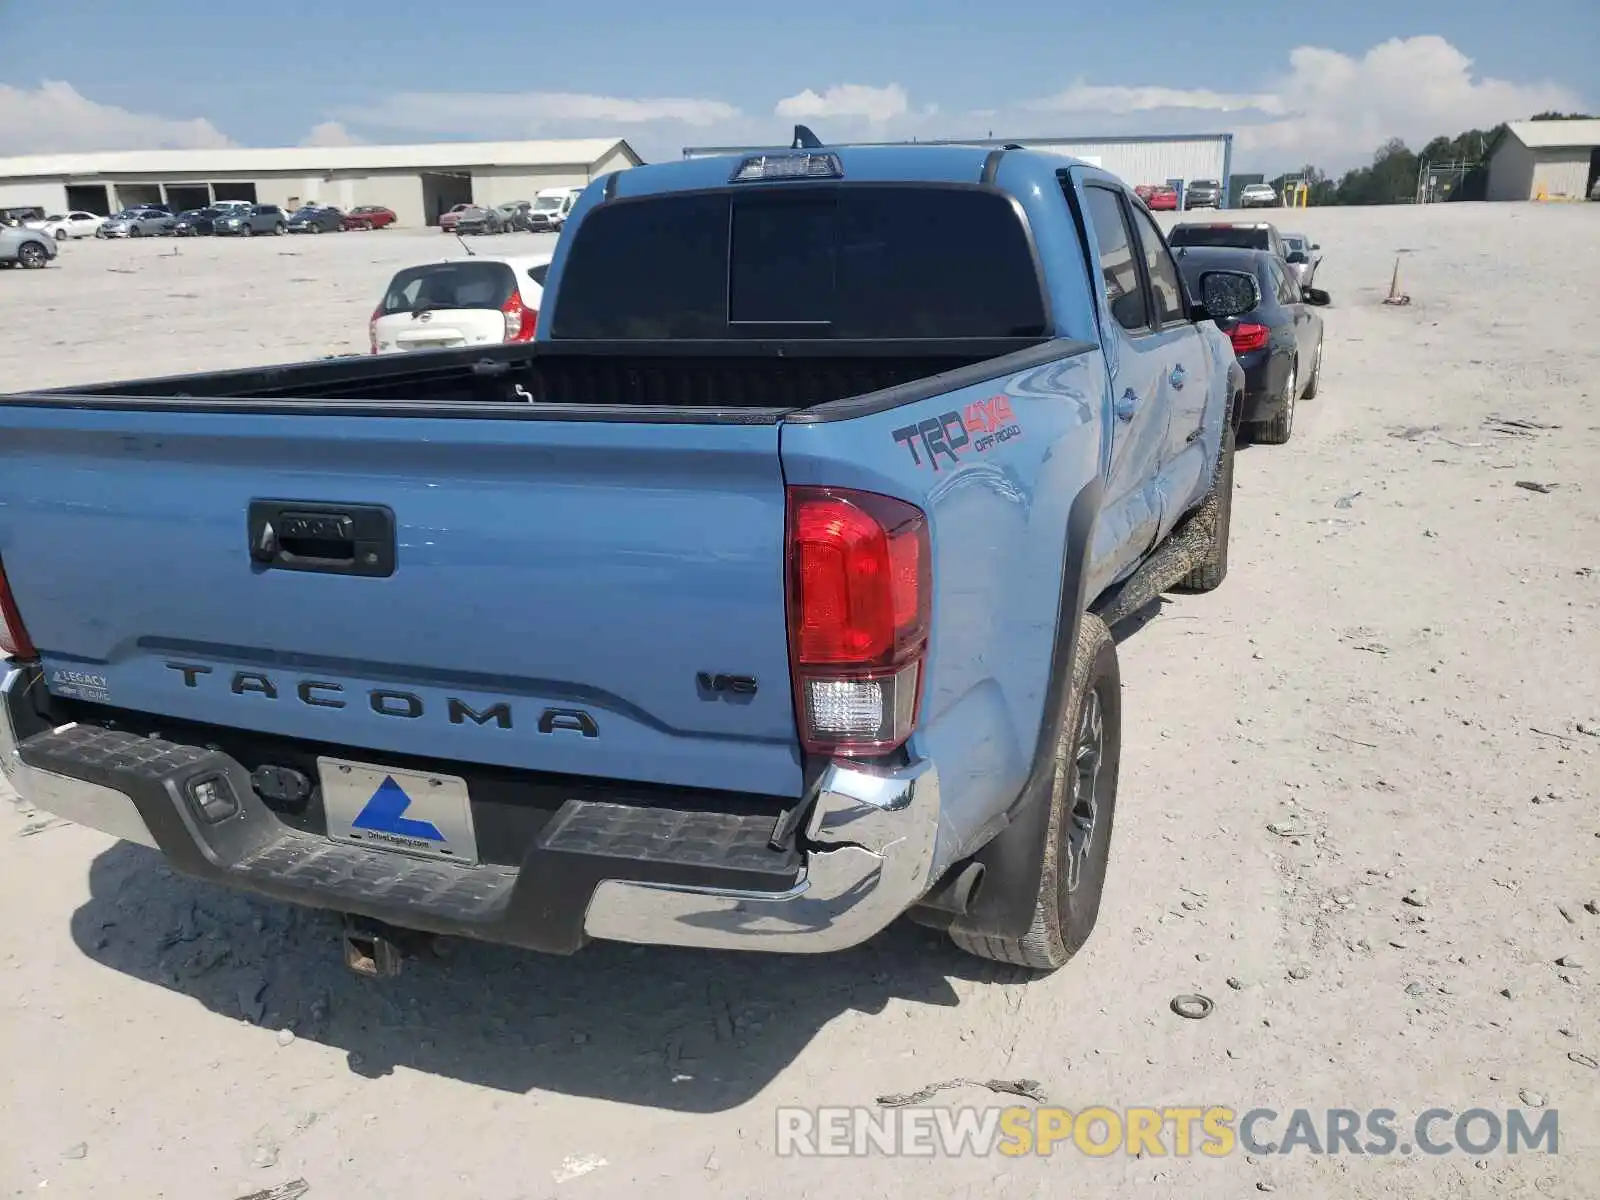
point(1386, 695)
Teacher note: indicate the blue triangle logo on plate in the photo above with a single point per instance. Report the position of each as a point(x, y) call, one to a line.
point(385, 813)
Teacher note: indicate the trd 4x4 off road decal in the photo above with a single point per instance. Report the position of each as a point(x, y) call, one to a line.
point(982, 426)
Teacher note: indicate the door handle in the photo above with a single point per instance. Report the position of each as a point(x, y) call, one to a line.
point(1177, 377)
point(341, 539)
point(1126, 405)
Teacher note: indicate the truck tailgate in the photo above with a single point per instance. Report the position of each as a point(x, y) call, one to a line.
point(565, 595)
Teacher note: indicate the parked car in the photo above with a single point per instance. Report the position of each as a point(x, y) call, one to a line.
point(480, 220)
point(447, 220)
point(132, 223)
point(1258, 195)
point(369, 216)
point(1278, 339)
point(750, 645)
point(1242, 235)
point(1162, 198)
point(550, 208)
point(1303, 256)
point(515, 215)
point(1202, 193)
point(197, 222)
point(75, 224)
point(473, 301)
point(258, 218)
point(316, 219)
point(30, 248)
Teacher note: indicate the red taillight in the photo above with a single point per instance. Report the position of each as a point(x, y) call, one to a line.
point(520, 319)
point(1247, 336)
point(860, 592)
point(372, 328)
point(14, 639)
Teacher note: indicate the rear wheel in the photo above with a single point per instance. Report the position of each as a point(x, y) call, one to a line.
point(1216, 514)
point(1278, 430)
point(1316, 374)
point(32, 255)
point(1083, 798)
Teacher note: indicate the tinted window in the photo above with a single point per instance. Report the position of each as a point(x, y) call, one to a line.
point(831, 262)
point(1288, 292)
point(1219, 235)
point(648, 269)
point(1124, 296)
point(450, 285)
point(1166, 288)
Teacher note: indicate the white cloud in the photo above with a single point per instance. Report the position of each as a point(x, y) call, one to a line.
point(1336, 106)
point(489, 115)
point(330, 133)
point(1329, 108)
point(1085, 98)
point(875, 104)
point(57, 118)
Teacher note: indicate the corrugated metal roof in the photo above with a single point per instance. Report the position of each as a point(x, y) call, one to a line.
point(242, 161)
point(1553, 135)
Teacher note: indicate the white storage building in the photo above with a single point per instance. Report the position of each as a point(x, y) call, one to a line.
point(417, 182)
point(1545, 160)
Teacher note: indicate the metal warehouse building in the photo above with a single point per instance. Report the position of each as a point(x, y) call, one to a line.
point(1545, 160)
point(417, 182)
point(1173, 159)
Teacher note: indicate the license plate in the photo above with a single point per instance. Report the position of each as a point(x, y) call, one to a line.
point(410, 812)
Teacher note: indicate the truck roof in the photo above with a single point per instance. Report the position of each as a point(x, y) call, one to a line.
point(911, 164)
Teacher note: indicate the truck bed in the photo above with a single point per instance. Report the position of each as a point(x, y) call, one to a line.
point(739, 382)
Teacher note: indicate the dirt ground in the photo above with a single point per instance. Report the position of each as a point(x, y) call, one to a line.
point(1389, 693)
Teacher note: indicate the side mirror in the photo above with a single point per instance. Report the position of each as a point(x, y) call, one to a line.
point(1298, 256)
point(1316, 296)
point(1225, 294)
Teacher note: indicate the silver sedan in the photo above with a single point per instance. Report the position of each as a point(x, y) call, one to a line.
point(1304, 257)
point(148, 223)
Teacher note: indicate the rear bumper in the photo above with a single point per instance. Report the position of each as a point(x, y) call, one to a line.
point(597, 870)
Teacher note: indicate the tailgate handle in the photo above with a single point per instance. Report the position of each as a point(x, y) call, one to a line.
point(333, 539)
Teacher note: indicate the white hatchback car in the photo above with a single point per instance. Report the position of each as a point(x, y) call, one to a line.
point(474, 301)
point(75, 224)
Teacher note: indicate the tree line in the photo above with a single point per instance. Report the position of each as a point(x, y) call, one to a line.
point(1392, 176)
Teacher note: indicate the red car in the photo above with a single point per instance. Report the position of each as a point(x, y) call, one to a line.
point(1162, 198)
point(369, 216)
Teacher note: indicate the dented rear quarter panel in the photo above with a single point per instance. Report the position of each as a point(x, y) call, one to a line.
point(997, 471)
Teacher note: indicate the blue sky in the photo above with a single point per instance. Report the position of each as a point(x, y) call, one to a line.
point(1324, 82)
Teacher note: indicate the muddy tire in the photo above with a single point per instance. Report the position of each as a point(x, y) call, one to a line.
point(1316, 375)
point(1278, 430)
point(1215, 515)
point(1083, 799)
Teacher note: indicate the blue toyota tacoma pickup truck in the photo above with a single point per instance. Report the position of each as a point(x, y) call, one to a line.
point(762, 599)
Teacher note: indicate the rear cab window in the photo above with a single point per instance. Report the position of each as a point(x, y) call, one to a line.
point(868, 261)
point(1220, 235)
point(471, 284)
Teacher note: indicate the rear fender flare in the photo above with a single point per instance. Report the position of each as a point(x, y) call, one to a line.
point(1013, 858)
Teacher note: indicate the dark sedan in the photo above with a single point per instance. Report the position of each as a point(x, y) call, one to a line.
point(197, 222)
point(316, 219)
point(1278, 342)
